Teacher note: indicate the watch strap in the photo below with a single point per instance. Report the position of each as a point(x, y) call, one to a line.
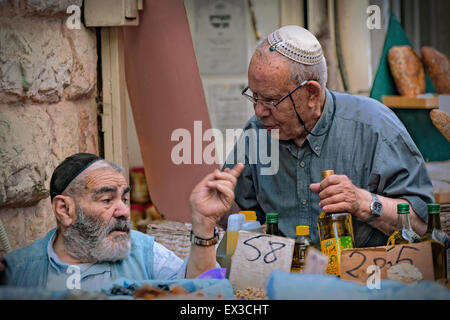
point(205, 242)
point(372, 218)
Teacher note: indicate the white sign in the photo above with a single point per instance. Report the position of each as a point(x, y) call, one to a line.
point(220, 36)
point(256, 256)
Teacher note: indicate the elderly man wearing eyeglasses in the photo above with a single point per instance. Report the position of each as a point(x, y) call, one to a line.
point(377, 164)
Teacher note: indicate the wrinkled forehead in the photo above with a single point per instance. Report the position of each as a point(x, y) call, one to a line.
point(104, 177)
point(268, 71)
point(266, 62)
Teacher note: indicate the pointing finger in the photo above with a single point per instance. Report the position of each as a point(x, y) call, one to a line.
point(237, 170)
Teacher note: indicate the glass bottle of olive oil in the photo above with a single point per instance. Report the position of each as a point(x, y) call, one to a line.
point(302, 244)
point(438, 240)
point(404, 233)
point(335, 233)
point(272, 224)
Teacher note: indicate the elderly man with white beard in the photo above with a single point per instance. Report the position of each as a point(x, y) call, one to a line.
point(90, 200)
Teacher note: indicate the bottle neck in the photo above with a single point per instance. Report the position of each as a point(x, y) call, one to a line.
point(272, 228)
point(434, 222)
point(404, 222)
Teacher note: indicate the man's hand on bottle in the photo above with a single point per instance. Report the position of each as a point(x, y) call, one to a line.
point(337, 193)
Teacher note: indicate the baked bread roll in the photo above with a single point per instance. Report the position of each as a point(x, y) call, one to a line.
point(407, 71)
point(441, 120)
point(438, 67)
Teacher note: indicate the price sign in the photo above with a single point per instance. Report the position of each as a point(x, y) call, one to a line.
point(417, 254)
point(355, 262)
point(256, 256)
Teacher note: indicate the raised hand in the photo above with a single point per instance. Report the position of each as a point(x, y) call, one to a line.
point(211, 198)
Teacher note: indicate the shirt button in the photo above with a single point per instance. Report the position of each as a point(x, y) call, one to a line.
point(316, 148)
point(302, 164)
point(304, 201)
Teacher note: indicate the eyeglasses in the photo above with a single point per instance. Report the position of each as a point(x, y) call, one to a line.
point(271, 104)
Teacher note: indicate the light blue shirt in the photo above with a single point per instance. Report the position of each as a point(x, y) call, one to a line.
point(91, 275)
point(37, 265)
point(365, 141)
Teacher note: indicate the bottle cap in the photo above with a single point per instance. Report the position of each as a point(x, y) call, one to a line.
point(235, 221)
point(249, 215)
point(434, 208)
point(302, 230)
point(251, 226)
point(327, 173)
point(403, 208)
point(272, 217)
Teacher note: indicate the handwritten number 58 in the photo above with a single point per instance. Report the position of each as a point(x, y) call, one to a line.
point(270, 256)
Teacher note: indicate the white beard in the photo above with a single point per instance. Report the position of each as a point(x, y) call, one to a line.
point(89, 240)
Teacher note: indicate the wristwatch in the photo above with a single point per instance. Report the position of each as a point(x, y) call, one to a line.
point(376, 208)
point(205, 242)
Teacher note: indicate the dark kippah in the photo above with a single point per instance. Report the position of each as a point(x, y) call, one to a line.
point(68, 170)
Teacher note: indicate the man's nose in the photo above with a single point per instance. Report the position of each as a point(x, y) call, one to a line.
point(122, 210)
point(261, 111)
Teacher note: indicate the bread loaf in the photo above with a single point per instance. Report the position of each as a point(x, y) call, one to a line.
point(438, 67)
point(441, 120)
point(407, 71)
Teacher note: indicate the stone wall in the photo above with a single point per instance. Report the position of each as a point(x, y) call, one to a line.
point(48, 78)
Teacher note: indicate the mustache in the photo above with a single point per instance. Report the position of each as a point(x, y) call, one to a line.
point(119, 225)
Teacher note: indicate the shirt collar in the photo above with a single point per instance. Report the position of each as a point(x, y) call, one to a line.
point(322, 125)
point(55, 262)
point(290, 146)
point(325, 121)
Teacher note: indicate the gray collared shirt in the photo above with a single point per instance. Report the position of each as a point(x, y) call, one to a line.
point(366, 141)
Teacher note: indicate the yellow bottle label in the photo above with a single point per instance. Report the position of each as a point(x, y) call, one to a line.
point(332, 249)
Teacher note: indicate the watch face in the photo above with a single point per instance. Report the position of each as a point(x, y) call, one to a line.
point(376, 208)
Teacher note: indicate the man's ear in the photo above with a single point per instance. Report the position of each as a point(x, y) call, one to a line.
point(313, 90)
point(64, 209)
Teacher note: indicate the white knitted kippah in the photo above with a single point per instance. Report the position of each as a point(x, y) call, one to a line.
point(296, 43)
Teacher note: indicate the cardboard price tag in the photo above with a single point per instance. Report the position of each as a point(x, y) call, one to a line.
point(417, 254)
point(355, 262)
point(256, 256)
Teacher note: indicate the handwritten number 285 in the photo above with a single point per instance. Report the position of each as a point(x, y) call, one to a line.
point(380, 259)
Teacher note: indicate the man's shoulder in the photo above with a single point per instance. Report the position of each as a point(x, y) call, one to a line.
point(368, 111)
point(31, 252)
